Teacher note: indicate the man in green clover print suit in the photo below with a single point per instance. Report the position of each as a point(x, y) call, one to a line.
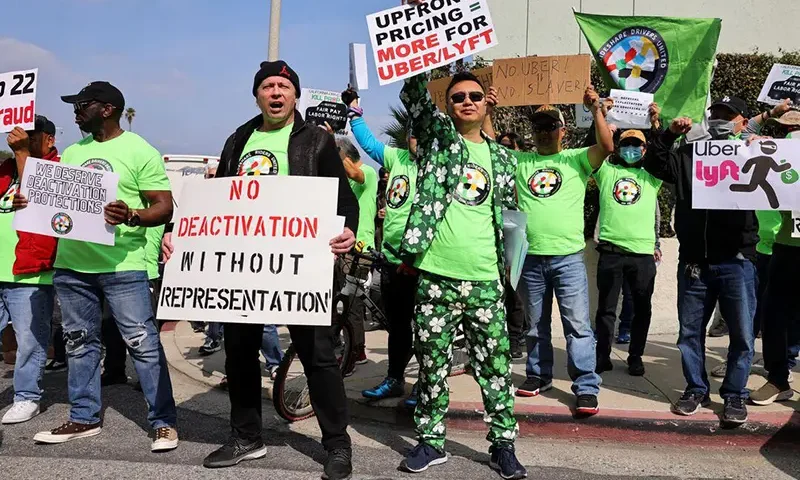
point(454, 236)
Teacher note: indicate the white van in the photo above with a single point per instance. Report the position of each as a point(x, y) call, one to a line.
point(181, 166)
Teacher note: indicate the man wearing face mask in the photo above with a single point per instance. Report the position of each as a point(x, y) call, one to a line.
point(628, 200)
point(716, 263)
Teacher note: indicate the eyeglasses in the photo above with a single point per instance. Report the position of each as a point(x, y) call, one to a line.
point(547, 127)
point(78, 106)
point(461, 97)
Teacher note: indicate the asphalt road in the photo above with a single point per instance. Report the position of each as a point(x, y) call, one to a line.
point(122, 450)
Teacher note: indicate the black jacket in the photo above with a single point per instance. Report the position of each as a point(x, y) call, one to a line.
point(706, 236)
point(312, 153)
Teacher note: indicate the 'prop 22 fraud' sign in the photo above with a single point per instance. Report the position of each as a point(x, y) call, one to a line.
point(18, 99)
point(413, 39)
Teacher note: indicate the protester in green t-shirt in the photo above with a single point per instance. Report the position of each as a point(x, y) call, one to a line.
point(87, 272)
point(627, 244)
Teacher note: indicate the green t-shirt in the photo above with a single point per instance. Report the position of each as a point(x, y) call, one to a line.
point(266, 153)
point(784, 236)
point(628, 199)
point(140, 168)
point(464, 247)
point(152, 250)
point(9, 239)
point(551, 190)
point(367, 195)
point(399, 197)
point(769, 224)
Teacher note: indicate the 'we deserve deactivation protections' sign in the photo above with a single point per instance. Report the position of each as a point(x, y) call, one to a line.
point(413, 39)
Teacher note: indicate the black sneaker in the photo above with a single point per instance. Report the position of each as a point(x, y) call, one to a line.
point(338, 465)
point(235, 451)
point(719, 329)
point(505, 462)
point(55, 366)
point(635, 366)
point(735, 412)
point(690, 403)
point(421, 457)
point(603, 365)
point(534, 386)
point(108, 379)
point(210, 346)
point(516, 350)
point(586, 405)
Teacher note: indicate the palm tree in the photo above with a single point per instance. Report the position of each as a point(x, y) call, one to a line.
point(129, 114)
point(397, 130)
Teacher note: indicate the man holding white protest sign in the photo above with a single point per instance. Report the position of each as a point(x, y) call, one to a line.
point(279, 142)
point(26, 273)
point(88, 272)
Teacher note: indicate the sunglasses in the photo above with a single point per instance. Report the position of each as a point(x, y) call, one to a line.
point(78, 106)
point(547, 127)
point(461, 97)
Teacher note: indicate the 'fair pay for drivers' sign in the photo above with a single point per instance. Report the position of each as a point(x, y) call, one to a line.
point(252, 250)
point(413, 39)
point(18, 99)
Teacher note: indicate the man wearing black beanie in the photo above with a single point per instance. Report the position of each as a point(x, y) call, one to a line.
point(279, 142)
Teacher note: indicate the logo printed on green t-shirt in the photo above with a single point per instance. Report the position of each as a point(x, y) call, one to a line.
point(545, 182)
point(61, 223)
point(474, 187)
point(258, 162)
point(627, 191)
point(398, 191)
point(98, 164)
point(8, 197)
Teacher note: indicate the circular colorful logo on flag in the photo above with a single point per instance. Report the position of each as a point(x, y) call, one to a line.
point(98, 164)
point(637, 59)
point(7, 200)
point(473, 186)
point(61, 223)
point(258, 162)
point(545, 182)
point(627, 191)
point(398, 191)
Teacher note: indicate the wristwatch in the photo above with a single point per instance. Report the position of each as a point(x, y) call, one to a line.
point(134, 220)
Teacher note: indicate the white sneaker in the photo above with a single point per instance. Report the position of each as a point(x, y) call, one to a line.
point(21, 412)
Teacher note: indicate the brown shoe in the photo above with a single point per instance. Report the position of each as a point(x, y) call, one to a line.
point(166, 438)
point(68, 431)
point(771, 392)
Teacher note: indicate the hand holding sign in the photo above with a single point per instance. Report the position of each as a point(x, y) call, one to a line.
point(19, 141)
point(116, 213)
point(681, 126)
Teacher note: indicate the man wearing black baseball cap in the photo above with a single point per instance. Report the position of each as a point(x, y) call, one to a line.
point(728, 118)
point(88, 272)
point(26, 272)
point(278, 142)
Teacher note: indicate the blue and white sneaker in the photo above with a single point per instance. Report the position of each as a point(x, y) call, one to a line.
point(411, 401)
point(421, 457)
point(624, 338)
point(389, 388)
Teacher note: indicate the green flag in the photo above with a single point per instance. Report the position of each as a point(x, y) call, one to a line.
point(672, 58)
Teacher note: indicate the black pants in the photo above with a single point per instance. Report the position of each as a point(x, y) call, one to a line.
point(640, 273)
point(781, 312)
point(398, 291)
point(314, 347)
point(515, 316)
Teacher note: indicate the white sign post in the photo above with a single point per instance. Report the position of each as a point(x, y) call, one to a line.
point(413, 39)
point(359, 77)
point(783, 82)
point(18, 99)
point(630, 110)
point(253, 250)
point(332, 109)
point(66, 201)
point(729, 175)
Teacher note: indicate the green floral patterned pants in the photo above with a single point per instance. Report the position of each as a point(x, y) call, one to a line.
point(442, 305)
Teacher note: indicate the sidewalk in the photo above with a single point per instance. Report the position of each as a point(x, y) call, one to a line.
point(628, 404)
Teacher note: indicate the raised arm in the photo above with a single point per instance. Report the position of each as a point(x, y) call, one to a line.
point(605, 138)
point(366, 140)
point(430, 127)
point(660, 160)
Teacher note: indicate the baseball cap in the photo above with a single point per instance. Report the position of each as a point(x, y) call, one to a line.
point(735, 104)
point(42, 125)
point(788, 119)
point(628, 134)
point(102, 92)
point(547, 113)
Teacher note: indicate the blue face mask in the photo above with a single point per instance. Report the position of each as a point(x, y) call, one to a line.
point(631, 154)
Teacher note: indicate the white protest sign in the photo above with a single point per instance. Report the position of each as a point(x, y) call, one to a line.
point(253, 250)
point(583, 116)
point(320, 106)
point(783, 82)
point(729, 175)
point(795, 224)
point(630, 109)
point(359, 77)
point(66, 201)
point(18, 99)
point(413, 39)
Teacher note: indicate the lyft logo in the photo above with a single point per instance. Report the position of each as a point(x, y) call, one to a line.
point(713, 174)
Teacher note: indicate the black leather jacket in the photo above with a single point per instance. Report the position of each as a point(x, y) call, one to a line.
point(312, 153)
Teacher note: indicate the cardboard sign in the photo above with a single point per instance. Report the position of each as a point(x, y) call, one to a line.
point(438, 88)
point(359, 77)
point(541, 80)
point(334, 111)
point(412, 39)
point(18, 99)
point(631, 109)
point(583, 116)
point(729, 175)
point(783, 82)
point(253, 250)
point(66, 201)
point(795, 224)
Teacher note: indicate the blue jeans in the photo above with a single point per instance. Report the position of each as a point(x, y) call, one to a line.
point(566, 275)
point(271, 346)
point(29, 308)
point(128, 297)
point(733, 284)
point(214, 331)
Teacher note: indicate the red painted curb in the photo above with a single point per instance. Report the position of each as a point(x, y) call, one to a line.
point(169, 326)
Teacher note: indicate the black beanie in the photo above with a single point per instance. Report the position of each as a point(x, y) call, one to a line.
point(276, 69)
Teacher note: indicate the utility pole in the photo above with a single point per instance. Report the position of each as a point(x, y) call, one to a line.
point(274, 30)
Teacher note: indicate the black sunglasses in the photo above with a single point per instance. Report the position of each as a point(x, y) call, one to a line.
point(78, 106)
point(547, 127)
point(461, 97)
